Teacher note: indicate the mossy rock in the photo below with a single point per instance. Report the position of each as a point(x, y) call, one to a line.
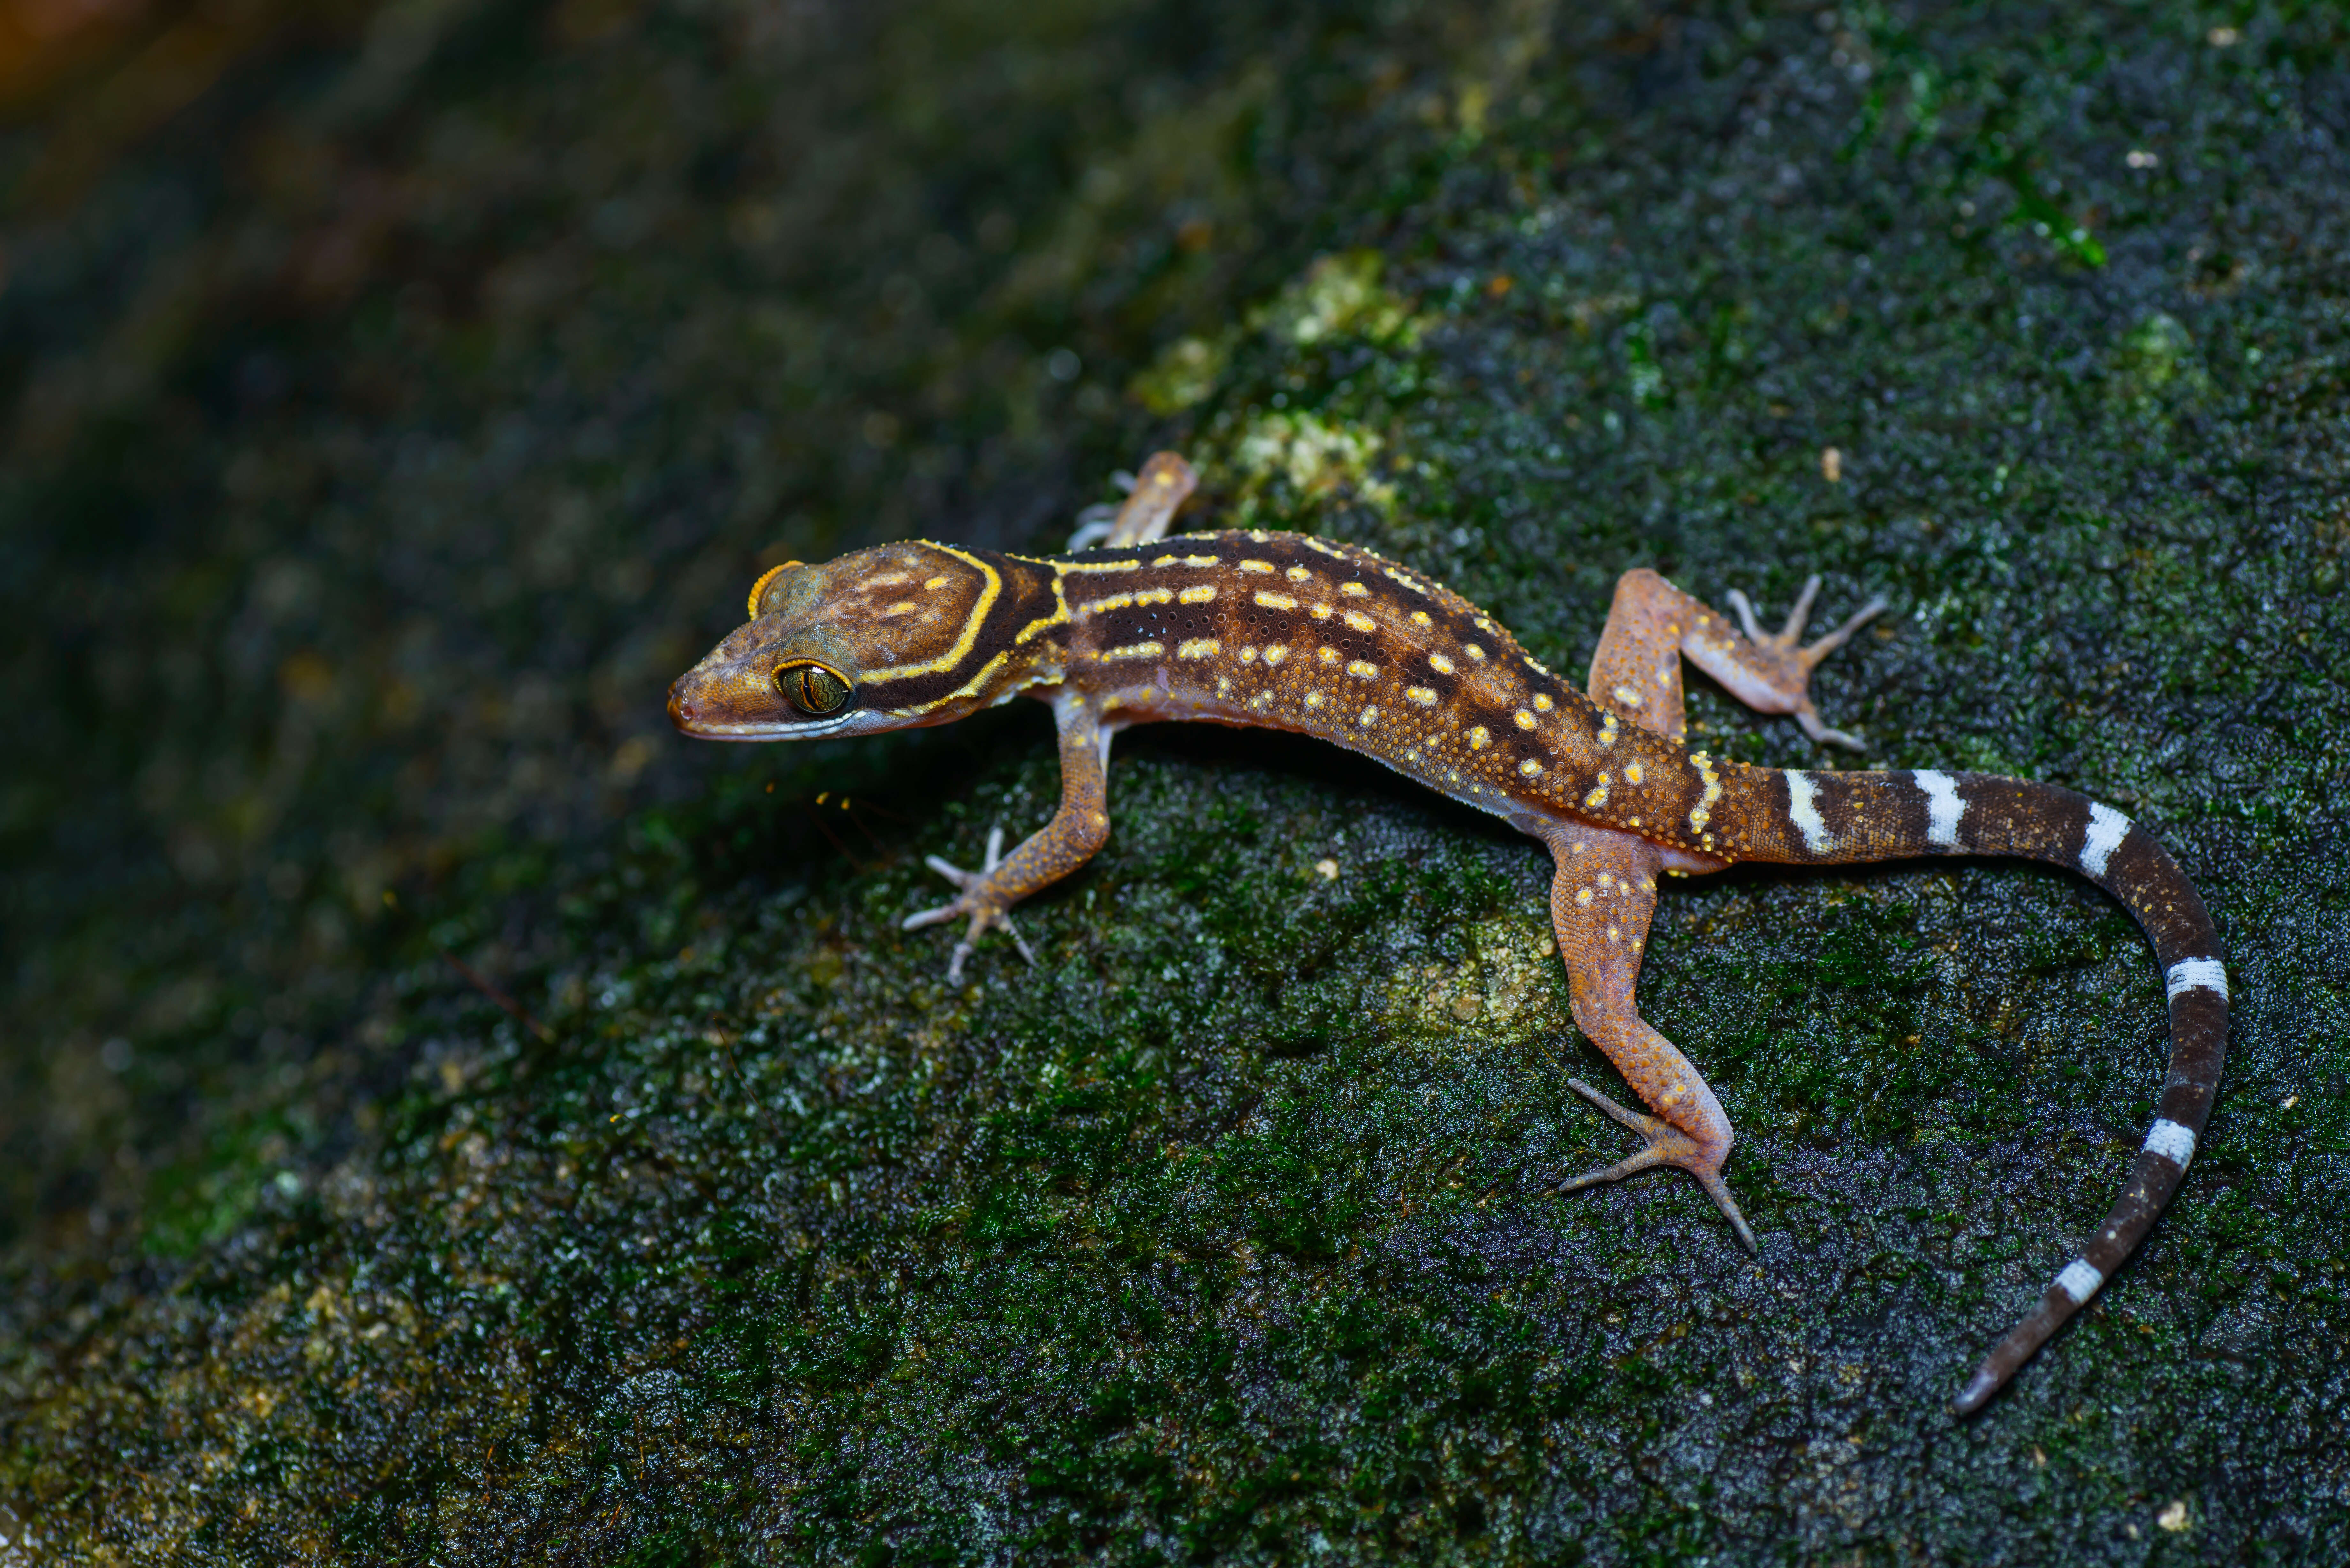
point(454, 1119)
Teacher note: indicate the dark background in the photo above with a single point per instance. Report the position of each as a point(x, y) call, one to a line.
point(444, 1117)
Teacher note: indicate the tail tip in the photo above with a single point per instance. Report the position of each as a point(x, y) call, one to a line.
point(1979, 1390)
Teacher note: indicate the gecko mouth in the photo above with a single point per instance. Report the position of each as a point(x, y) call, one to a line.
point(694, 719)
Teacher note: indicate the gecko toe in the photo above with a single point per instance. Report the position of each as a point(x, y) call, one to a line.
point(1668, 1146)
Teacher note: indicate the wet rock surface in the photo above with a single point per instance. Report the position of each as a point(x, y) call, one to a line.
point(451, 1119)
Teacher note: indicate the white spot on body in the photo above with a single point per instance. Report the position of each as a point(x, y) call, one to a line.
point(2103, 834)
point(1136, 650)
point(1423, 695)
point(1480, 738)
point(1297, 574)
point(1944, 806)
point(1371, 716)
point(1803, 810)
point(1362, 670)
point(1473, 650)
point(1313, 699)
point(1523, 720)
point(1441, 664)
point(1354, 590)
point(1626, 695)
point(1197, 648)
point(2195, 975)
point(1263, 568)
point(1276, 601)
point(1360, 621)
point(1543, 705)
point(1530, 767)
point(1274, 655)
point(1202, 594)
point(1327, 655)
point(1632, 774)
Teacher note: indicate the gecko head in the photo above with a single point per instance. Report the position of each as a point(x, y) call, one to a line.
point(885, 638)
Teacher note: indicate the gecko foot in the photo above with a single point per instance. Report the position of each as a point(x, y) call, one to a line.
point(975, 903)
point(1668, 1146)
point(1786, 649)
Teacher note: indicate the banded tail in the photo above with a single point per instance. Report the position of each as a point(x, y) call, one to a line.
point(1832, 818)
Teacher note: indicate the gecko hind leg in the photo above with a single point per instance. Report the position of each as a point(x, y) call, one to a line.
point(1668, 1146)
point(1787, 648)
point(1652, 625)
point(981, 919)
point(1601, 901)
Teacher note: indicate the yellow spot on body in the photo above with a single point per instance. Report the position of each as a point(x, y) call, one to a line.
point(1371, 716)
point(904, 607)
point(1164, 561)
point(887, 580)
point(1263, 566)
point(1424, 696)
point(1441, 664)
point(1114, 602)
point(1327, 655)
point(1223, 685)
point(1626, 695)
point(1598, 795)
point(1276, 601)
point(1261, 701)
point(1473, 650)
point(1136, 650)
point(1362, 670)
point(1607, 729)
point(1321, 612)
point(1484, 625)
point(1530, 767)
point(1614, 933)
point(1354, 590)
point(1313, 699)
point(1154, 595)
point(1582, 896)
point(1259, 536)
point(1202, 561)
point(1199, 596)
point(1197, 648)
point(1274, 655)
point(1632, 774)
point(1523, 720)
point(1420, 617)
point(1360, 621)
point(936, 583)
point(1248, 654)
point(1297, 574)
point(1543, 705)
point(1480, 738)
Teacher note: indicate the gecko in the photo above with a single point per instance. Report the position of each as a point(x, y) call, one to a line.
point(1289, 631)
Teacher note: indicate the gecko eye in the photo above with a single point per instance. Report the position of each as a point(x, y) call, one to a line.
point(812, 689)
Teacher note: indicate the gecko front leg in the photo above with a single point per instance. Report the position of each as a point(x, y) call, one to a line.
point(1079, 828)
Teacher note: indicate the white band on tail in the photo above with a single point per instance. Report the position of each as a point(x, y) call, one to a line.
point(2079, 1280)
point(1943, 807)
point(2192, 974)
point(2107, 829)
point(2173, 1142)
point(1805, 816)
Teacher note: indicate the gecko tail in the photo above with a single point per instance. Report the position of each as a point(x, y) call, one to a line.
point(1865, 816)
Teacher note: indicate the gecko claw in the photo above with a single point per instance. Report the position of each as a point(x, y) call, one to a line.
point(970, 904)
point(1668, 1146)
point(1787, 648)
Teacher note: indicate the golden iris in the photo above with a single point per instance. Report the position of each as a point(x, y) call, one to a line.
point(812, 689)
